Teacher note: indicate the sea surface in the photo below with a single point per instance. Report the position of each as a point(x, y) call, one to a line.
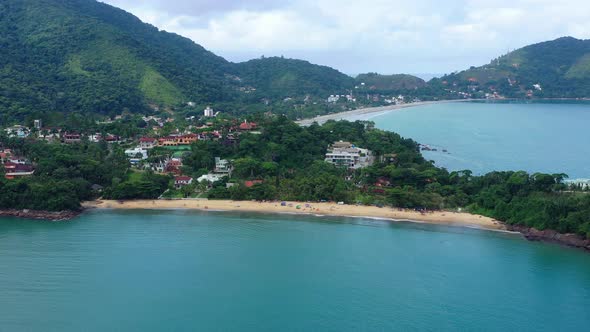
point(549, 137)
point(219, 271)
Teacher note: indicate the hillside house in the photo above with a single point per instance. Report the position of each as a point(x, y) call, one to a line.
point(211, 178)
point(5, 154)
point(72, 138)
point(177, 140)
point(147, 142)
point(345, 154)
point(13, 170)
point(173, 166)
point(247, 126)
point(18, 131)
point(222, 166)
point(181, 181)
point(136, 155)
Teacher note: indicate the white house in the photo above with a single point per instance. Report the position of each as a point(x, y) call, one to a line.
point(333, 98)
point(345, 154)
point(211, 177)
point(136, 155)
point(181, 181)
point(208, 112)
point(222, 166)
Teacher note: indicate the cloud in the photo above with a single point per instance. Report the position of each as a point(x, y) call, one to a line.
point(371, 35)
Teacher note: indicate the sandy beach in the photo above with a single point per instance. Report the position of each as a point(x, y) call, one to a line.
point(361, 111)
point(325, 209)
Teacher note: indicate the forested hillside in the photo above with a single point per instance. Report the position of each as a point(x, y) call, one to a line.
point(552, 69)
point(86, 56)
point(397, 82)
point(280, 77)
point(83, 56)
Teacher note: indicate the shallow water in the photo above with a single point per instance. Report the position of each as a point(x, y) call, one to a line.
point(187, 271)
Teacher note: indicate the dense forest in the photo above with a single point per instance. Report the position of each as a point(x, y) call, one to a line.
point(397, 82)
point(561, 68)
point(88, 57)
point(288, 163)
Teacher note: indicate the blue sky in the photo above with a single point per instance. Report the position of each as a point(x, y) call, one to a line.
point(386, 36)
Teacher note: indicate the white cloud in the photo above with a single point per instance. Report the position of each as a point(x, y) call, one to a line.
point(418, 36)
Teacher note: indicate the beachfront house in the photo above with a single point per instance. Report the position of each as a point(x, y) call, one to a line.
point(222, 166)
point(211, 178)
point(346, 154)
point(181, 181)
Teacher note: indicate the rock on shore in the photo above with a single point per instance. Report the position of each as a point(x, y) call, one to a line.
point(549, 235)
point(40, 215)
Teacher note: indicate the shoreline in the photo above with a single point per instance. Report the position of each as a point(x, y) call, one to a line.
point(444, 218)
point(51, 216)
point(370, 110)
point(440, 218)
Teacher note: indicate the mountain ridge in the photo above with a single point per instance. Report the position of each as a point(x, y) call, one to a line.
point(557, 68)
point(87, 56)
point(84, 56)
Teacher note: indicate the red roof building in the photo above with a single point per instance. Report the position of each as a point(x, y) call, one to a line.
point(13, 170)
point(250, 184)
point(248, 125)
point(181, 181)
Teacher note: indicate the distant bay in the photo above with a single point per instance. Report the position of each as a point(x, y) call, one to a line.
point(550, 137)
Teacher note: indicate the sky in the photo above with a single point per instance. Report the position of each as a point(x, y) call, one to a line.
point(385, 36)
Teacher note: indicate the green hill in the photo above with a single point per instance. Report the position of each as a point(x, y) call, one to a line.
point(280, 77)
point(561, 68)
point(398, 82)
point(86, 56)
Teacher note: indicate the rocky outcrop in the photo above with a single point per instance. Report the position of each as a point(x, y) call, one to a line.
point(549, 235)
point(40, 215)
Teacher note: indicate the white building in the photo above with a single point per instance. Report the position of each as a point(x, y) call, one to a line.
point(345, 154)
point(181, 181)
point(211, 177)
point(136, 155)
point(18, 131)
point(38, 124)
point(208, 112)
point(222, 166)
point(333, 98)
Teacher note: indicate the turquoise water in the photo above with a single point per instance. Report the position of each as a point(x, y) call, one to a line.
point(197, 271)
point(535, 137)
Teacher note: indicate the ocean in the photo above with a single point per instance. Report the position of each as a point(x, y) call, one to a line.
point(548, 137)
point(221, 271)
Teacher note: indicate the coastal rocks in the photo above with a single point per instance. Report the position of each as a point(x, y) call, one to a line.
point(40, 215)
point(549, 235)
